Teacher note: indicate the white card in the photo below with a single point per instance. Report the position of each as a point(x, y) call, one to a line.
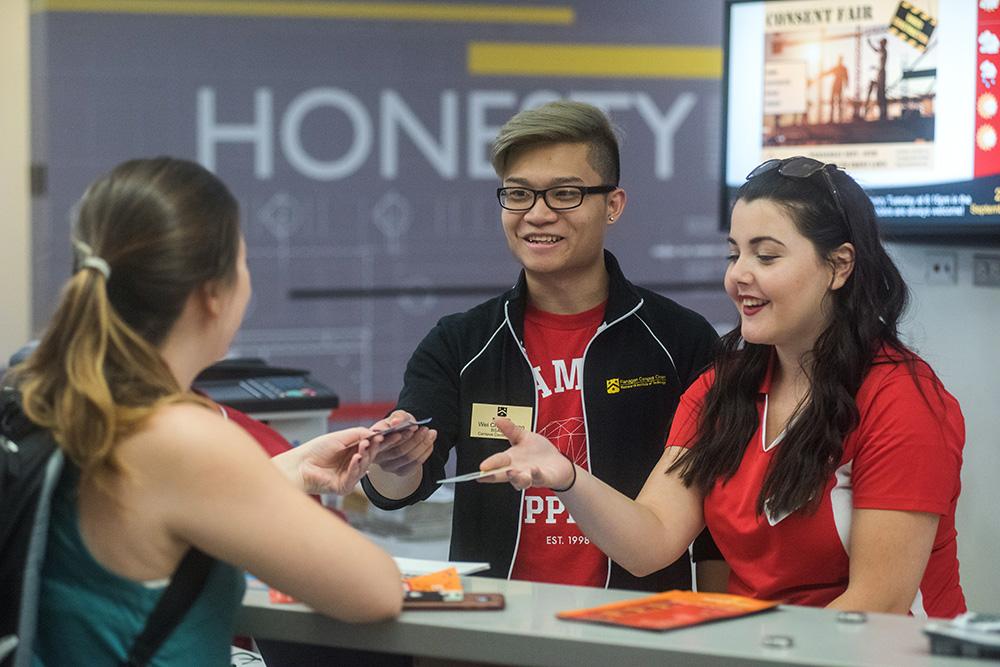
point(468, 477)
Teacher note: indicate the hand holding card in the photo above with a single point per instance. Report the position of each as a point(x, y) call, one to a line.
point(479, 474)
point(402, 426)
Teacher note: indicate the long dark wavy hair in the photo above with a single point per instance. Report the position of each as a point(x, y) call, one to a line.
point(864, 316)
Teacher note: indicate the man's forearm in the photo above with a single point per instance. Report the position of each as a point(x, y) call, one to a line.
point(393, 486)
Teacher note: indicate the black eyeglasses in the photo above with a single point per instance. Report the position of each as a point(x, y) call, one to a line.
point(803, 167)
point(559, 198)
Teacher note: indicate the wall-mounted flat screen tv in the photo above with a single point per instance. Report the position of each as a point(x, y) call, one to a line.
point(903, 95)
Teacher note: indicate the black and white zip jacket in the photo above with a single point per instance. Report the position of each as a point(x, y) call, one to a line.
point(644, 355)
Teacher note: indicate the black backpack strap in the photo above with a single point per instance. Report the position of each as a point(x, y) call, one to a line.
point(35, 557)
point(185, 586)
point(30, 467)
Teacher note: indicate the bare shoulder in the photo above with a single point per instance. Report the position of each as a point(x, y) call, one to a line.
point(191, 433)
point(187, 417)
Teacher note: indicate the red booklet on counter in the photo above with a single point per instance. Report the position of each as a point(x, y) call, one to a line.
point(673, 609)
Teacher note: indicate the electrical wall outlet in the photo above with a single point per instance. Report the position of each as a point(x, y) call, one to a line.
point(986, 270)
point(942, 268)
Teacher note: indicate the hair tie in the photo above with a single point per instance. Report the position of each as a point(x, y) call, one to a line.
point(88, 260)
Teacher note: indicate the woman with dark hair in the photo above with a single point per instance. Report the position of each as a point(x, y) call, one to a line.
point(160, 288)
point(822, 453)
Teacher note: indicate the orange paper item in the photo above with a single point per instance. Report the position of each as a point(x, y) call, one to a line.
point(673, 609)
point(446, 581)
point(277, 597)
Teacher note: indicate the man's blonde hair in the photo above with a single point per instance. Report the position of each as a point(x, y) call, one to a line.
point(562, 121)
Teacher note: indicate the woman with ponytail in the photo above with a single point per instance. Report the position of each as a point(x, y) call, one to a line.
point(821, 452)
point(159, 290)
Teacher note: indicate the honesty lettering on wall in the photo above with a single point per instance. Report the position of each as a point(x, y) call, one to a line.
point(455, 144)
point(357, 138)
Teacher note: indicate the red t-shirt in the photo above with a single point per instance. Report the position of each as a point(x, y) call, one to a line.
point(550, 547)
point(270, 440)
point(905, 454)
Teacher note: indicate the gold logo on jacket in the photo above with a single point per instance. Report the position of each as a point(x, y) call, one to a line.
point(617, 385)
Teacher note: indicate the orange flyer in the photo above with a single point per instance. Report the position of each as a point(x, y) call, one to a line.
point(446, 582)
point(673, 609)
point(277, 597)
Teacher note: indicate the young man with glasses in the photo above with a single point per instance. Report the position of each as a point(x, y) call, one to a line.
point(573, 351)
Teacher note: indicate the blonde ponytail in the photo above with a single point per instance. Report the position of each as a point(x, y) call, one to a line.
point(92, 380)
point(146, 235)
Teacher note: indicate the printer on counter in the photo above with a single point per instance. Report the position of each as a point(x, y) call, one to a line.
point(286, 398)
point(250, 385)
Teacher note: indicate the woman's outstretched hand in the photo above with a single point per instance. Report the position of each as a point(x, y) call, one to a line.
point(533, 460)
point(335, 462)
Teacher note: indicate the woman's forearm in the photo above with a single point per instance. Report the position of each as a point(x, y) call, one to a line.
point(641, 535)
point(288, 463)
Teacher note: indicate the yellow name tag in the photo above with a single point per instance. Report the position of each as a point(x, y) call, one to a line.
point(483, 415)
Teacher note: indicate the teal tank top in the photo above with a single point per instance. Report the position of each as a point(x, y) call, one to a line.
point(90, 616)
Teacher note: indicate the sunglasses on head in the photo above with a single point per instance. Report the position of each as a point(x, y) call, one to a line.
point(803, 167)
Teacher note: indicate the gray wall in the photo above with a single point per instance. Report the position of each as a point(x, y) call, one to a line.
point(955, 327)
point(15, 251)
